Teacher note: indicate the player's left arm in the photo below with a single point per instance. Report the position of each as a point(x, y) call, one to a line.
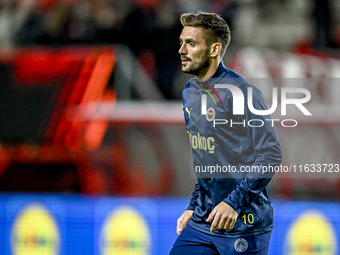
point(266, 143)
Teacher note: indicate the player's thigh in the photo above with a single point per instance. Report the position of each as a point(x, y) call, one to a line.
point(248, 245)
point(191, 241)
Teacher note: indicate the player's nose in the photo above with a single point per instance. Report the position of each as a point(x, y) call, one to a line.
point(182, 50)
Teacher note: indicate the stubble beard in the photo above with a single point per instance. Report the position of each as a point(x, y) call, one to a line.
point(198, 67)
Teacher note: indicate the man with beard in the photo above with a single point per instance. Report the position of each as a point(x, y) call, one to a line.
point(230, 210)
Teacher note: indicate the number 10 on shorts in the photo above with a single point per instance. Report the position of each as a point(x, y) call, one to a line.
point(248, 218)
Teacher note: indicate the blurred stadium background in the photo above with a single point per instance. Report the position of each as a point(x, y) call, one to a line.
point(94, 155)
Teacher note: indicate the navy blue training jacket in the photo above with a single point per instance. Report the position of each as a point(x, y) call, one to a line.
point(238, 146)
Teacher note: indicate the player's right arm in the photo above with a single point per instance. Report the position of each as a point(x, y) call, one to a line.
point(182, 221)
point(193, 201)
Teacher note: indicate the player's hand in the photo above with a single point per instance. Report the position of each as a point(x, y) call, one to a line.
point(183, 220)
point(224, 217)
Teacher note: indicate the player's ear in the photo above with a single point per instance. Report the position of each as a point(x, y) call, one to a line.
point(215, 49)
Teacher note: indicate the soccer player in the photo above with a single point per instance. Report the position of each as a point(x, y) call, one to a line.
point(230, 210)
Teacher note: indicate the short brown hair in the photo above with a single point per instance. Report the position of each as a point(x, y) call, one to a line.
point(217, 28)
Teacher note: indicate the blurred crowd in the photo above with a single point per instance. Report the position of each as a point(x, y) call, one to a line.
point(150, 28)
point(132, 22)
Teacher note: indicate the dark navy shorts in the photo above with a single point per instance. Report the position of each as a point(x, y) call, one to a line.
point(192, 241)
